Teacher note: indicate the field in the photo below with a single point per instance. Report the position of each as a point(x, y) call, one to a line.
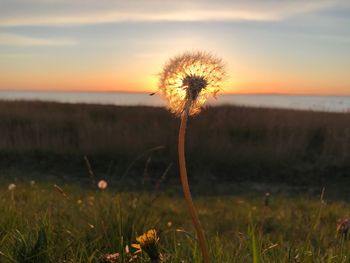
point(42, 224)
point(55, 153)
point(224, 144)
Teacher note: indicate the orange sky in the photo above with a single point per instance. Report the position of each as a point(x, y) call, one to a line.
point(276, 47)
point(145, 80)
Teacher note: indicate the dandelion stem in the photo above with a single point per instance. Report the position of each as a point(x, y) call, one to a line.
point(186, 188)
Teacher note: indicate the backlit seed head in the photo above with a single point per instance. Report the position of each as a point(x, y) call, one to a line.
point(102, 184)
point(189, 79)
point(11, 187)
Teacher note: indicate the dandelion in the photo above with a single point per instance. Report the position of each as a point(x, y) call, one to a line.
point(102, 184)
point(149, 242)
point(186, 82)
point(12, 187)
point(32, 182)
point(267, 199)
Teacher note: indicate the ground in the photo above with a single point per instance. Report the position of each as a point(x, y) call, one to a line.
point(70, 223)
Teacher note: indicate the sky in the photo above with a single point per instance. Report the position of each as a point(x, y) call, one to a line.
point(272, 46)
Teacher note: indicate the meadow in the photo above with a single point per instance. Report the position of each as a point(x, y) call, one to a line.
point(55, 153)
point(39, 223)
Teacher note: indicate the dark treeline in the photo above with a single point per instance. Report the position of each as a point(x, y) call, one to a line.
point(224, 144)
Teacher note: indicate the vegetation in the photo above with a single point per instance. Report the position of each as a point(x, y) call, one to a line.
point(225, 144)
point(66, 149)
point(42, 224)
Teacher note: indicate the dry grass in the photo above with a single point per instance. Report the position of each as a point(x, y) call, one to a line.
point(226, 142)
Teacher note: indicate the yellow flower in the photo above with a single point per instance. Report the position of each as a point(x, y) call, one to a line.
point(148, 242)
point(189, 79)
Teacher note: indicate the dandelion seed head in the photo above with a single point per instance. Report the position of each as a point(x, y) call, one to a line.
point(11, 187)
point(102, 184)
point(188, 80)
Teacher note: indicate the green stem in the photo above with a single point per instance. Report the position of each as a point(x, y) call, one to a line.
point(186, 188)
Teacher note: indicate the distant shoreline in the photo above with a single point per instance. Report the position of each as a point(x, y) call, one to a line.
point(278, 101)
point(151, 91)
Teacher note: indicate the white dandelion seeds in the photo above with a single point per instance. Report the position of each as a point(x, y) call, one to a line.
point(102, 184)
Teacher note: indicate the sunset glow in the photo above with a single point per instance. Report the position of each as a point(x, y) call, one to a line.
point(289, 47)
point(189, 79)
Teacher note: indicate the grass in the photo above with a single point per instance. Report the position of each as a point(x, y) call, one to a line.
point(133, 149)
point(42, 225)
point(225, 144)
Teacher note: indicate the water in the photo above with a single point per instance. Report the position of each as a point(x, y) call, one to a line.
point(317, 103)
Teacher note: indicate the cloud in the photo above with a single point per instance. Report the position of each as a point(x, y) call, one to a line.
point(111, 17)
point(68, 13)
point(18, 40)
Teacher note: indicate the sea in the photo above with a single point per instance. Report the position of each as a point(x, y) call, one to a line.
point(299, 102)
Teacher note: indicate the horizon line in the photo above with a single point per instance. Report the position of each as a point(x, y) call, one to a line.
point(150, 92)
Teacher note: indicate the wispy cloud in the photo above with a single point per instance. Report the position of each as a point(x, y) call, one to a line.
point(19, 40)
point(94, 12)
point(111, 17)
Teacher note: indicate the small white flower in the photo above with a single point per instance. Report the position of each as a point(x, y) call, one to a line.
point(11, 187)
point(102, 184)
